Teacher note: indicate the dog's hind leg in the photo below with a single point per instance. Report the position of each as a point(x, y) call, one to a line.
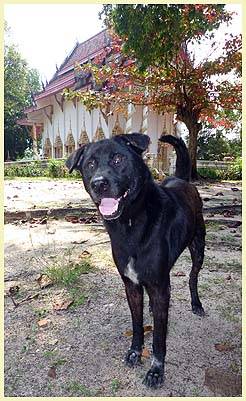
point(197, 255)
point(134, 293)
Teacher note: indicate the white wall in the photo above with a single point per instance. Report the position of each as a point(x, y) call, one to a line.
point(74, 116)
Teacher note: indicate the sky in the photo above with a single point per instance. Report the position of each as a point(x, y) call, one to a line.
point(46, 33)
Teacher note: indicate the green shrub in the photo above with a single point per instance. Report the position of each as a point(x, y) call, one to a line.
point(233, 172)
point(54, 169)
point(33, 169)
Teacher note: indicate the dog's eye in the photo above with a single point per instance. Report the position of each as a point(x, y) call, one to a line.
point(117, 159)
point(91, 164)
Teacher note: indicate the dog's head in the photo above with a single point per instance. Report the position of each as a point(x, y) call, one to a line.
point(113, 171)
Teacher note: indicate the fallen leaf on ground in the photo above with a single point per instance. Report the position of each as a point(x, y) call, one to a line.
point(52, 372)
point(85, 254)
point(148, 328)
point(44, 281)
point(128, 333)
point(72, 219)
point(43, 323)
point(223, 347)
point(179, 274)
point(219, 194)
point(146, 353)
point(63, 304)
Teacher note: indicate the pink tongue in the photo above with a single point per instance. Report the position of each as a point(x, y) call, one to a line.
point(108, 206)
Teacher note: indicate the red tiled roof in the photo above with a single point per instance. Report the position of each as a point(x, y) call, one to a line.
point(85, 50)
point(57, 85)
point(64, 77)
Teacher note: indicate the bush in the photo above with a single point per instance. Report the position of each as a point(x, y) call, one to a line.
point(233, 172)
point(33, 169)
point(54, 169)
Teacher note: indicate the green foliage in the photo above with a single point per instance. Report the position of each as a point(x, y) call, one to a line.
point(233, 172)
point(68, 274)
point(33, 169)
point(153, 32)
point(54, 169)
point(214, 145)
point(19, 81)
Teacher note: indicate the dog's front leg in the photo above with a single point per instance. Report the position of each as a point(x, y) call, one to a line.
point(159, 299)
point(134, 293)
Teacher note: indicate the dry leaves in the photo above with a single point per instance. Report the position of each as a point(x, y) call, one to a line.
point(147, 329)
point(43, 323)
point(44, 281)
point(223, 347)
point(146, 353)
point(179, 274)
point(62, 304)
point(84, 254)
point(52, 372)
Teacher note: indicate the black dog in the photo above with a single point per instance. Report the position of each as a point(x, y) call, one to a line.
point(149, 226)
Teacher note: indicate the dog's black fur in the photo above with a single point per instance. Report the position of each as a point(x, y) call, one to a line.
point(149, 226)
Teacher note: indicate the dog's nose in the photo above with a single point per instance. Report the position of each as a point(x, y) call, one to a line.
point(99, 184)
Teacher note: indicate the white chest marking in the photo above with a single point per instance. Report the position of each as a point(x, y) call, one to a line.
point(130, 272)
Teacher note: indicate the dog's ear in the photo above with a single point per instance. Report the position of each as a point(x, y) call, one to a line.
point(139, 142)
point(75, 159)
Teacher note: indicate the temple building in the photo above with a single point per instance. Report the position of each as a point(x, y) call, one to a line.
point(66, 125)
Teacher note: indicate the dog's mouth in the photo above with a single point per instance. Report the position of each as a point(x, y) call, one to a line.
point(111, 208)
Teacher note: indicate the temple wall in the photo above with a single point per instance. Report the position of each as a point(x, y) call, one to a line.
point(75, 119)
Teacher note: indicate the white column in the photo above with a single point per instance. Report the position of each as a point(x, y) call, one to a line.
point(130, 112)
point(144, 127)
point(34, 142)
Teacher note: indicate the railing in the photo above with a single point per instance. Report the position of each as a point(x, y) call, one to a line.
point(152, 161)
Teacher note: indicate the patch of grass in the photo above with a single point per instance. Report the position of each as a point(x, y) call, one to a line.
point(77, 389)
point(78, 297)
point(228, 313)
point(213, 225)
point(67, 275)
point(229, 238)
point(50, 354)
point(223, 265)
point(211, 237)
point(234, 367)
point(115, 385)
point(40, 313)
point(59, 362)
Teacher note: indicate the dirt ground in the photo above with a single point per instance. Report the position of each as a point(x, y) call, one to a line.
point(67, 323)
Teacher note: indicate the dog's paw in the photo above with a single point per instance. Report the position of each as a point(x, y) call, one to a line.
point(198, 310)
point(132, 357)
point(154, 377)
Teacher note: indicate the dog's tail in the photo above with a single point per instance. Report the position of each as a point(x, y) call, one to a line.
point(183, 162)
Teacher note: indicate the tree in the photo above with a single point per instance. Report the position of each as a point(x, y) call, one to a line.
point(212, 145)
point(19, 82)
point(157, 66)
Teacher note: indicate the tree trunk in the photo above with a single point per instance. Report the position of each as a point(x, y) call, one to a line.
point(185, 114)
point(193, 133)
